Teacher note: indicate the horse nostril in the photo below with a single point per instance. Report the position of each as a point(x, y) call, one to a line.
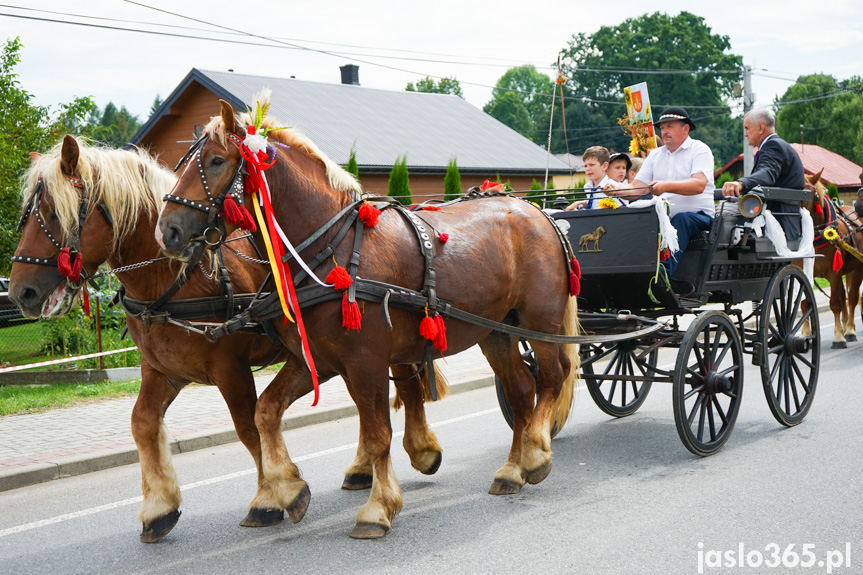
point(174, 236)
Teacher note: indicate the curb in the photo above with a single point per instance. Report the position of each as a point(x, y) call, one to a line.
point(79, 465)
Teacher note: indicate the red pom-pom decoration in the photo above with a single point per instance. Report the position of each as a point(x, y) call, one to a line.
point(440, 339)
point(238, 215)
point(67, 266)
point(351, 316)
point(428, 328)
point(340, 278)
point(369, 214)
point(576, 267)
point(818, 209)
point(837, 261)
point(443, 238)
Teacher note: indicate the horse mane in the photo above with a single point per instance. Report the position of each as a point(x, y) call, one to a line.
point(819, 188)
point(129, 183)
point(338, 177)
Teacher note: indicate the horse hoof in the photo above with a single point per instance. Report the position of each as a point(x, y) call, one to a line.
point(432, 469)
point(504, 487)
point(357, 481)
point(258, 517)
point(539, 473)
point(154, 531)
point(839, 345)
point(851, 337)
point(297, 508)
point(368, 531)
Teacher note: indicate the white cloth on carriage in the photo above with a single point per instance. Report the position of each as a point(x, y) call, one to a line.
point(669, 234)
point(767, 224)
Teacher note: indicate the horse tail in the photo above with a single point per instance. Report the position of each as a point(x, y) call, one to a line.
point(441, 386)
point(562, 407)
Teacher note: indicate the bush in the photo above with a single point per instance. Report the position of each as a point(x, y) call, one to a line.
point(722, 179)
point(452, 182)
point(352, 167)
point(399, 184)
point(536, 190)
point(833, 192)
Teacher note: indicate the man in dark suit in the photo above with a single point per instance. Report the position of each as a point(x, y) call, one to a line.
point(777, 165)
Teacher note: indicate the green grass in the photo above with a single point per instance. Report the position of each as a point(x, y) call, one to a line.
point(21, 399)
point(22, 344)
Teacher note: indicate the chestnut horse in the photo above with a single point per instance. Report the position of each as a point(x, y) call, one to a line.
point(842, 305)
point(128, 188)
point(503, 260)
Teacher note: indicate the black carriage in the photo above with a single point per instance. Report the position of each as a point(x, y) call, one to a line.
point(763, 307)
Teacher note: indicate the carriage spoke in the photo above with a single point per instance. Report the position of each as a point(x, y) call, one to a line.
point(720, 411)
point(775, 367)
point(799, 323)
point(775, 331)
point(777, 315)
point(796, 306)
point(715, 346)
point(780, 362)
point(710, 420)
point(693, 391)
point(700, 359)
point(805, 361)
point(794, 390)
point(701, 418)
point(724, 351)
point(802, 379)
point(691, 417)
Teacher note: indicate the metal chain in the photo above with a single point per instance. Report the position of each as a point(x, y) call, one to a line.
point(128, 268)
point(249, 258)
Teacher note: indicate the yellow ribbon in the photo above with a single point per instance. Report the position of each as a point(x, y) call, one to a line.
point(274, 264)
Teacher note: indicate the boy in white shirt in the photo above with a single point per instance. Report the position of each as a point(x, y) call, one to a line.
point(595, 167)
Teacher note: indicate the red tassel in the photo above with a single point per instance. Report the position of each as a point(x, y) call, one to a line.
point(428, 328)
point(440, 339)
point(818, 209)
point(351, 316)
point(443, 238)
point(67, 267)
point(432, 208)
point(837, 261)
point(340, 278)
point(232, 211)
point(86, 301)
point(369, 214)
point(574, 278)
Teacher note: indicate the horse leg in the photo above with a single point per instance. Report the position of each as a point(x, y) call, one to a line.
point(504, 357)
point(369, 388)
point(237, 386)
point(160, 509)
point(419, 441)
point(282, 488)
point(837, 306)
point(853, 281)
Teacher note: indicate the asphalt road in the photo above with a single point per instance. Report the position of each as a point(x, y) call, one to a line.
point(624, 496)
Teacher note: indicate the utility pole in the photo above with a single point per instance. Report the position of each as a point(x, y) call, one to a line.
point(748, 100)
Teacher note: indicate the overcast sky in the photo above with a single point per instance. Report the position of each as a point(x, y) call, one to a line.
point(392, 42)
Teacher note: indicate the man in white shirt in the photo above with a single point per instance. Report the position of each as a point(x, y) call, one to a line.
point(682, 171)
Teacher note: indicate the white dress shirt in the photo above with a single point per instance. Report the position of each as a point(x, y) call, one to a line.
point(692, 157)
point(595, 194)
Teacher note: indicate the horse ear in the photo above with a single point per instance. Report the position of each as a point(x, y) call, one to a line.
point(34, 156)
point(228, 116)
point(69, 156)
point(817, 177)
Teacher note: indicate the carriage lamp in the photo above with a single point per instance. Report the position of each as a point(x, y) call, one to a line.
point(751, 205)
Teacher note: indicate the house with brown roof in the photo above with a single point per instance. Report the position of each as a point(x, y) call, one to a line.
point(382, 125)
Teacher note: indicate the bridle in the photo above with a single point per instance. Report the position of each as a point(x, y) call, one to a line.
point(73, 250)
point(233, 188)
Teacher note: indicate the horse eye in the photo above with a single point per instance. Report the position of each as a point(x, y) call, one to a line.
point(217, 161)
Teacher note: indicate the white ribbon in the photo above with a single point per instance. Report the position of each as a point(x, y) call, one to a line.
point(669, 234)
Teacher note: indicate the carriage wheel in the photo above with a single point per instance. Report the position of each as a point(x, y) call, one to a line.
point(789, 370)
point(561, 413)
point(708, 383)
point(628, 359)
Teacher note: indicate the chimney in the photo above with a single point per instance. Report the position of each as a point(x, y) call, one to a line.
point(350, 74)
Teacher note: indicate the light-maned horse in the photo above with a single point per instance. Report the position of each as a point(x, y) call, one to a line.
point(503, 260)
point(129, 187)
point(844, 295)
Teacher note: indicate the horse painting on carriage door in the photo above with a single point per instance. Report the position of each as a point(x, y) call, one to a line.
point(125, 191)
point(835, 263)
point(503, 260)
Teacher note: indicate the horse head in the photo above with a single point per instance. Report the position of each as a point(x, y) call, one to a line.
point(816, 205)
point(76, 206)
point(191, 218)
point(225, 164)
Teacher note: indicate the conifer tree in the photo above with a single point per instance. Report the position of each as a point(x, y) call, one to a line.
point(399, 184)
point(452, 182)
point(352, 167)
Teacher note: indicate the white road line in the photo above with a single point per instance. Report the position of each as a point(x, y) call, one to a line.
point(211, 481)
